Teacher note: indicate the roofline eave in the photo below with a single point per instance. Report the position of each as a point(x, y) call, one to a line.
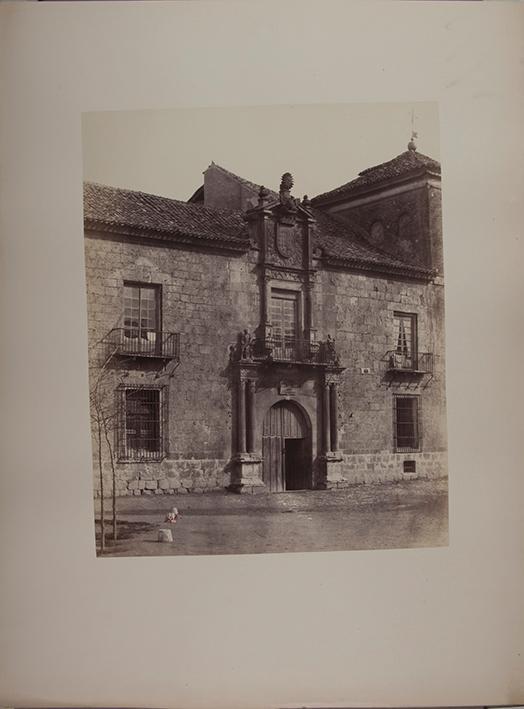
point(411, 272)
point(168, 236)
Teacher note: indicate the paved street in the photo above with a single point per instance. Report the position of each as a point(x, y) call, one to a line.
point(373, 516)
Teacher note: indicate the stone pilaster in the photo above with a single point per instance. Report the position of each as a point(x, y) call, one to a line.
point(331, 458)
point(247, 466)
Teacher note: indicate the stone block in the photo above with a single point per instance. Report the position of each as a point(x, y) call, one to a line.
point(165, 535)
point(164, 484)
point(151, 484)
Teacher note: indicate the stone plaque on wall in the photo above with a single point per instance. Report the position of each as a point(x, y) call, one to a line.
point(286, 389)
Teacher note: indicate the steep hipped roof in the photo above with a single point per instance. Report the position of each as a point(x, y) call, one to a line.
point(114, 209)
point(408, 163)
point(140, 214)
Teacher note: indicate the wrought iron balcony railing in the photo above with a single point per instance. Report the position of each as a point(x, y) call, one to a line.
point(294, 350)
point(419, 363)
point(140, 342)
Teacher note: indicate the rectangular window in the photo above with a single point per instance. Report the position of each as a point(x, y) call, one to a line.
point(406, 423)
point(141, 424)
point(141, 316)
point(404, 341)
point(284, 323)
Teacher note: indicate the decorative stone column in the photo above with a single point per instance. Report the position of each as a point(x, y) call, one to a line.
point(250, 416)
point(309, 323)
point(246, 464)
point(326, 427)
point(241, 420)
point(331, 458)
point(333, 401)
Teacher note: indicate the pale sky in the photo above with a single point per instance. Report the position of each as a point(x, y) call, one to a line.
point(165, 152)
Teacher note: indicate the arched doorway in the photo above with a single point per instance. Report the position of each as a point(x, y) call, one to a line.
point(286, 448)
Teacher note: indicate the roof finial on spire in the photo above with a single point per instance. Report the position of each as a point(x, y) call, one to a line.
point(412, 145)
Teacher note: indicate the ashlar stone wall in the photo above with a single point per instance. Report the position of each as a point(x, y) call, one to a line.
point(209, 297)
point(206, 297)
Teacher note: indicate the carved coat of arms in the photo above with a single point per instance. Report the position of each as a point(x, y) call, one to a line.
point(284, 241)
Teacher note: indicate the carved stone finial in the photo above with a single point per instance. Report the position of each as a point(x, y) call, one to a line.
point(263, 194)
point(412, 145)
point(286, 200)
point(286, 184)
point(306, 201)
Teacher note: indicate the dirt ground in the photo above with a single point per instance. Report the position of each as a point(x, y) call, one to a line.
point(372, 516)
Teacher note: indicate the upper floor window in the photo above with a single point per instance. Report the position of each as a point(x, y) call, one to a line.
point(284, 315)
point(404, 355)
point(141, 313)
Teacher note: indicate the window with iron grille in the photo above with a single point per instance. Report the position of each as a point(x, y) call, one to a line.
point(142, 420)
point(406, 423)
point(405, 340)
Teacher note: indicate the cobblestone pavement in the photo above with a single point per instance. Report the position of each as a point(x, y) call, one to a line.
point(371, 516)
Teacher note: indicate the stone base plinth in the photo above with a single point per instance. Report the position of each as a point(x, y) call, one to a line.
point(246, 477)
point(331, 477)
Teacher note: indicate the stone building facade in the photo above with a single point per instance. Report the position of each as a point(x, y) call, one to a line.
point(249, 340)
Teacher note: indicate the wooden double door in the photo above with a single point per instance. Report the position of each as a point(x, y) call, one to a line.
point(286, 448)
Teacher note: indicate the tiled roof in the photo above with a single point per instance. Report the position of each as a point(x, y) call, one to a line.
point(344, 244)
point(141, 214)
point(115, 209)
point(405, 164)
point(342, 241)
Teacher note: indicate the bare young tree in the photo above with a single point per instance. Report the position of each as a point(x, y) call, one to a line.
point(105, 419)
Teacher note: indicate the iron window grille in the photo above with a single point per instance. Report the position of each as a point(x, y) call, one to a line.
point(406, 423)
point(142, 423)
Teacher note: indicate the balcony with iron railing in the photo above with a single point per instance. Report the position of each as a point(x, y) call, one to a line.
point(141, 342)
point(294, 350)
point(416, 363)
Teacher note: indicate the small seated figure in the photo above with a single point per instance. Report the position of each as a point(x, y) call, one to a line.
point(172, 516)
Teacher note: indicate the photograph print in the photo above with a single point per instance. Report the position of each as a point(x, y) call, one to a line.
point(265, 313)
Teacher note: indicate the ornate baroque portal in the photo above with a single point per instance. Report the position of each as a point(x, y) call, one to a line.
point(285, 381)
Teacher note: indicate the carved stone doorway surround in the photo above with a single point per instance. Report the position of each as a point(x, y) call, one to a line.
point(247, 464)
